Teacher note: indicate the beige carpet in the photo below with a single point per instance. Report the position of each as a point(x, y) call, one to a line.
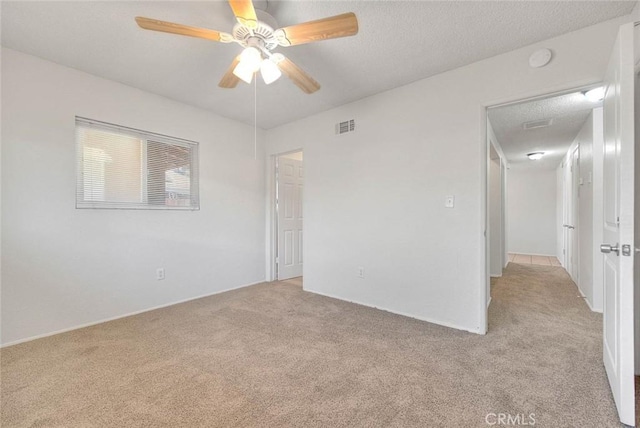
point(273, 355)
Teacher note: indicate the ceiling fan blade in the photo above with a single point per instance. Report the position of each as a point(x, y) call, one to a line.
point(328, 28)
point(244, 12)
point(301, 79)
point(184, 30)
point(230, 80)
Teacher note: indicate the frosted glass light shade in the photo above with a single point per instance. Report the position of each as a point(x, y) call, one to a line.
point(252, 58)
point(244, 72)
point(270, 72)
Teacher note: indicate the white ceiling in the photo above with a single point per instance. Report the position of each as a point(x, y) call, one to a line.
point(569, 112)
point(398, 43)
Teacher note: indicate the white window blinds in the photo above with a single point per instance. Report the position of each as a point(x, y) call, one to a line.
point(119, 167)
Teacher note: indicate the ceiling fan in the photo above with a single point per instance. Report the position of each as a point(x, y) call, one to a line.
point(256, 34)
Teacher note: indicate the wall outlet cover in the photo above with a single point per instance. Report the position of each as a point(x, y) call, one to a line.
point(449, 201)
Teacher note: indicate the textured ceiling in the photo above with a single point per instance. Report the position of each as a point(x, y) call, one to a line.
point(398, 43)
point(568, 112)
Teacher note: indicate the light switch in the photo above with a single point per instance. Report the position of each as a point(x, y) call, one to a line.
point(449, 201)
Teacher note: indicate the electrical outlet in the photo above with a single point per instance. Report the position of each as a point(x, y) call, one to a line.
point(160, 274)
point(360, 272)
point(449, 201)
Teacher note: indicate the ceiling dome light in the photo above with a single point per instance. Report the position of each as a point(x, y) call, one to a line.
point(535, 155)
point(270, 72)
point(595, 94)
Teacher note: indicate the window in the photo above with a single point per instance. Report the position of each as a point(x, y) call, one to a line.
point(127, 168)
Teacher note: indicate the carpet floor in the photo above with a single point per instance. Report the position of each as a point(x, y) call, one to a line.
point(273, 355)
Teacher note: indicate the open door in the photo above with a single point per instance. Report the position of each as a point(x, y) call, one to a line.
point(618, 226)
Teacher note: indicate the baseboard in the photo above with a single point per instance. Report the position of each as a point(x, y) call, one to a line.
point(488, 302)
point(585, 299)
point(130, 314)
point(429, 320)
point(534, 254)
point(496, 276)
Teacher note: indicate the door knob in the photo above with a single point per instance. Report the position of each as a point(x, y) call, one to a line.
point(607, 248)
point(568, 226)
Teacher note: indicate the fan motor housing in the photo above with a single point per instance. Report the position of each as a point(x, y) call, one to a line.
point(262, 32)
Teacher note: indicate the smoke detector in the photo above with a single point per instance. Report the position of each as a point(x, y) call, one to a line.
point(540, 58)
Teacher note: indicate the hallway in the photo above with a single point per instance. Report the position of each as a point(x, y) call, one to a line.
point(554, 343)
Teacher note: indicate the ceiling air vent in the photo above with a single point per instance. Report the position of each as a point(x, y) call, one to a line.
point(537, 124)
point(344, 127)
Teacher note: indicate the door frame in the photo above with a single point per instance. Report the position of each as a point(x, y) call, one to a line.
point(485, 281)
point(502, 166)
point(571, 215)
point(271, 273)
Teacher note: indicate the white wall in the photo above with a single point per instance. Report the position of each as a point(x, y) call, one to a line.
point(63, 267)
point(1, 222)
point(496, 230)
point(495, 216)
point(375, 198)
point(637, 218)
point(589, 142)
point(635, 13)
point(584, 140)
point(532, 211)
point(560, 253)
point(597, 210)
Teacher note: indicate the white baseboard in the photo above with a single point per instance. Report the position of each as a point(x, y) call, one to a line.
point(533, 254)
point(586, 300)
point(429, 320)
point(489, 302)
point(89, 324)
point(496, 276)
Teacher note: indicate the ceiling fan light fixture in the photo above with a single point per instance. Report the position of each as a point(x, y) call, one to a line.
point(256, 31)
point(270, 72)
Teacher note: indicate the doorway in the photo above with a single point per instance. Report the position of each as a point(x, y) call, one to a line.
point(543, 143)
point(496, 202)
point(600, 197)
point(289, 191)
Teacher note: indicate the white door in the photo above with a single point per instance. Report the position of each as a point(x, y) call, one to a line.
point(573, 218)
point(289, 199)
point(618, 246)
point(568, 218)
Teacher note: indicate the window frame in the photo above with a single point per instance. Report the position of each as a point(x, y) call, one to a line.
point(145, 137)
